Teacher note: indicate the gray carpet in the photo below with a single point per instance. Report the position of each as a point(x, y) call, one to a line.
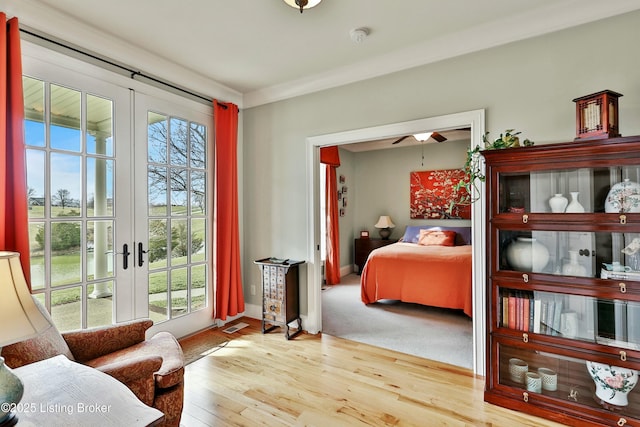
point(428, 332)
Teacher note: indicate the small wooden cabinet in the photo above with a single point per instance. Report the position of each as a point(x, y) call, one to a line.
point(563, 285)
point(280, 295)
point(364, 246)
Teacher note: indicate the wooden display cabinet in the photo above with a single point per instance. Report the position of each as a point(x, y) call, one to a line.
point(556, 301)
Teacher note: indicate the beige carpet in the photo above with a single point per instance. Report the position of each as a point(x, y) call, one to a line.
point(433, 333)
point(203, 343)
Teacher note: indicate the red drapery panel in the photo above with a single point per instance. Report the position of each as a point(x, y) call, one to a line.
point(14, 225)
point(331, 157)
point(229, 296)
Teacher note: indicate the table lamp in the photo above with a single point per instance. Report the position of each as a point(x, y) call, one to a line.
point(384, 225)
point(20, 319)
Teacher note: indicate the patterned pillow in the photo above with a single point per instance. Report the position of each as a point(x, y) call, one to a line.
point(437, 238)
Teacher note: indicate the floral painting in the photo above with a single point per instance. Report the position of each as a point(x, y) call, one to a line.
point(432, 193)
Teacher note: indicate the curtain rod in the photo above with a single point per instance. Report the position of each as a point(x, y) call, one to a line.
point(131, 72)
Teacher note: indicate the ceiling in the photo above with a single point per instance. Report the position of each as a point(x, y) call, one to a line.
point(264, 50)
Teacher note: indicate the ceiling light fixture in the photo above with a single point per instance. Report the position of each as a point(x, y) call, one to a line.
point(423, 136)
point(302, 4)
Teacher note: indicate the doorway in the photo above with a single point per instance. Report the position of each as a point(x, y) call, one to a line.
point(472, 119)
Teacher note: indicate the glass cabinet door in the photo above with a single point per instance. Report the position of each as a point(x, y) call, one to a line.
point(608, 387)
point(571, 253)
point(588, 190)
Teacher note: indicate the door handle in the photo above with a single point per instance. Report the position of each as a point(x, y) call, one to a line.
point(141, 252)
point(125, 256)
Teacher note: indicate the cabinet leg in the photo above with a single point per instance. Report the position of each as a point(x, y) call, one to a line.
point(289, 336)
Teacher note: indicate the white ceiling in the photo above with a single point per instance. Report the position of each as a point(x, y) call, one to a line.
point(265, 50)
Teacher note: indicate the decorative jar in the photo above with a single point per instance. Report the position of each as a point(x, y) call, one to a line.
point(613, 383)
point(527, 254)
point(574, 205)
point(573, 267)
point(623, 197)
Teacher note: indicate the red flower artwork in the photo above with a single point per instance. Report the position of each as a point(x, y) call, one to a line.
point(433, 191)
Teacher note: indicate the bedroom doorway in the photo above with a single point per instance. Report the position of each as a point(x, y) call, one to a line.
point(472, 119)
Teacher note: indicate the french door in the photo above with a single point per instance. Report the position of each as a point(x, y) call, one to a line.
point(118, 224)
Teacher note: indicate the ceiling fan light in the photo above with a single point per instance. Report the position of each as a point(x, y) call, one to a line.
point(423, 136)
point(302, 5)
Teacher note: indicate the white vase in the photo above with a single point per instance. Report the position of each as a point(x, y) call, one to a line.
point(623, 197)
point(527, 254)
point(613, 383)
point(558, 203)
point(573, 268)
point(574, 205)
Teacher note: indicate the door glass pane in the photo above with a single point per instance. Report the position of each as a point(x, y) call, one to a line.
point(198, 136)
point(100, 304)
point(198, 287)
point(158, 290)
point(66, 308)
point(65, 184)
point(179, 242)
point(99, 126)
point(179, 282)
point(99, 249)
point(158, 190)
point(198, 191)
point(158, 246)
point(99, 187)
point(179, 186)
point(37, 244)
point(65, 119)
point(66, 259)
point(178, 142)
point(157, 138)
point(198, 236)
point(35, 182)
point(33, 111)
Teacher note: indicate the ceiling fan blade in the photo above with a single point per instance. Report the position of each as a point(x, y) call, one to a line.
point(400, 139)
point(438, 137)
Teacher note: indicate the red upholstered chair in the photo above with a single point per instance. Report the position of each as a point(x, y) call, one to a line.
point(152, 368)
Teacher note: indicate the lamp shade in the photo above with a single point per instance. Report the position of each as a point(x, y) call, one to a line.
point(20, 318)
point(384, 222)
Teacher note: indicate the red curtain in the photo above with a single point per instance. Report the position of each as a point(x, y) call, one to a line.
point(14, 225)
point(229, 296)
point(330, 157)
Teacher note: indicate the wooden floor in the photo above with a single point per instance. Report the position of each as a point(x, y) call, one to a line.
point(320, 380)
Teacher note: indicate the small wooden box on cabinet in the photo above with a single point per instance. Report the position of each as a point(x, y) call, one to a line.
point(280, 295)
point(364, 246)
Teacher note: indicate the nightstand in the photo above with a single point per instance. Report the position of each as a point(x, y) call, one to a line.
point(363, 248)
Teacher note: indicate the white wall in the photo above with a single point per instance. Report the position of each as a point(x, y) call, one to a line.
point(527, 85)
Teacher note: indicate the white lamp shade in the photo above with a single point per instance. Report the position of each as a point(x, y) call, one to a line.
point(384, 222)
point(20, 318)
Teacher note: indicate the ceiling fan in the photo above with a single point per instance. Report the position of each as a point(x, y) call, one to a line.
point(423, 137)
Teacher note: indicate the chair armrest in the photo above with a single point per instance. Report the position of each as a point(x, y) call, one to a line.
point(137, 373)
point(92, 343)
point(133, 369)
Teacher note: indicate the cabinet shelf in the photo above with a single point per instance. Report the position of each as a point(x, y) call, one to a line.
point(564, 286)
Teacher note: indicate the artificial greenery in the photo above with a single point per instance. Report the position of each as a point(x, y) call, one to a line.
point(473, 167)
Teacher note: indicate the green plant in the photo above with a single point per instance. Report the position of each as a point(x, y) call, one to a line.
point(473, 166)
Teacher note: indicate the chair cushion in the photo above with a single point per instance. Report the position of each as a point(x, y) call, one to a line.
point(164, 344)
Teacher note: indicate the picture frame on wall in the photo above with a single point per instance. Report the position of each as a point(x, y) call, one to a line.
point(342, 179)
point(341, 211)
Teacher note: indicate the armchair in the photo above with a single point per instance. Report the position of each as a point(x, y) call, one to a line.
point(152, 368)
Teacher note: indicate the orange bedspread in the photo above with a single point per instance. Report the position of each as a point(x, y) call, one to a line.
point(438, 276)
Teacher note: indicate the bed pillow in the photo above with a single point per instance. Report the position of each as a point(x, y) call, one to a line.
point(412, 233)
point(437, 238)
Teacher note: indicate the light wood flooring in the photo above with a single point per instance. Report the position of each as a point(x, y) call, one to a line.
point(320, 380)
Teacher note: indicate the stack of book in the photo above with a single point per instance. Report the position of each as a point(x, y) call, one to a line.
point(522, 312)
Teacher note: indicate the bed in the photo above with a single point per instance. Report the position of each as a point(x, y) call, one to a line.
point(429, 266)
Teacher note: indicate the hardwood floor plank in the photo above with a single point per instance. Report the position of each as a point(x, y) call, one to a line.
point(263, 379)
